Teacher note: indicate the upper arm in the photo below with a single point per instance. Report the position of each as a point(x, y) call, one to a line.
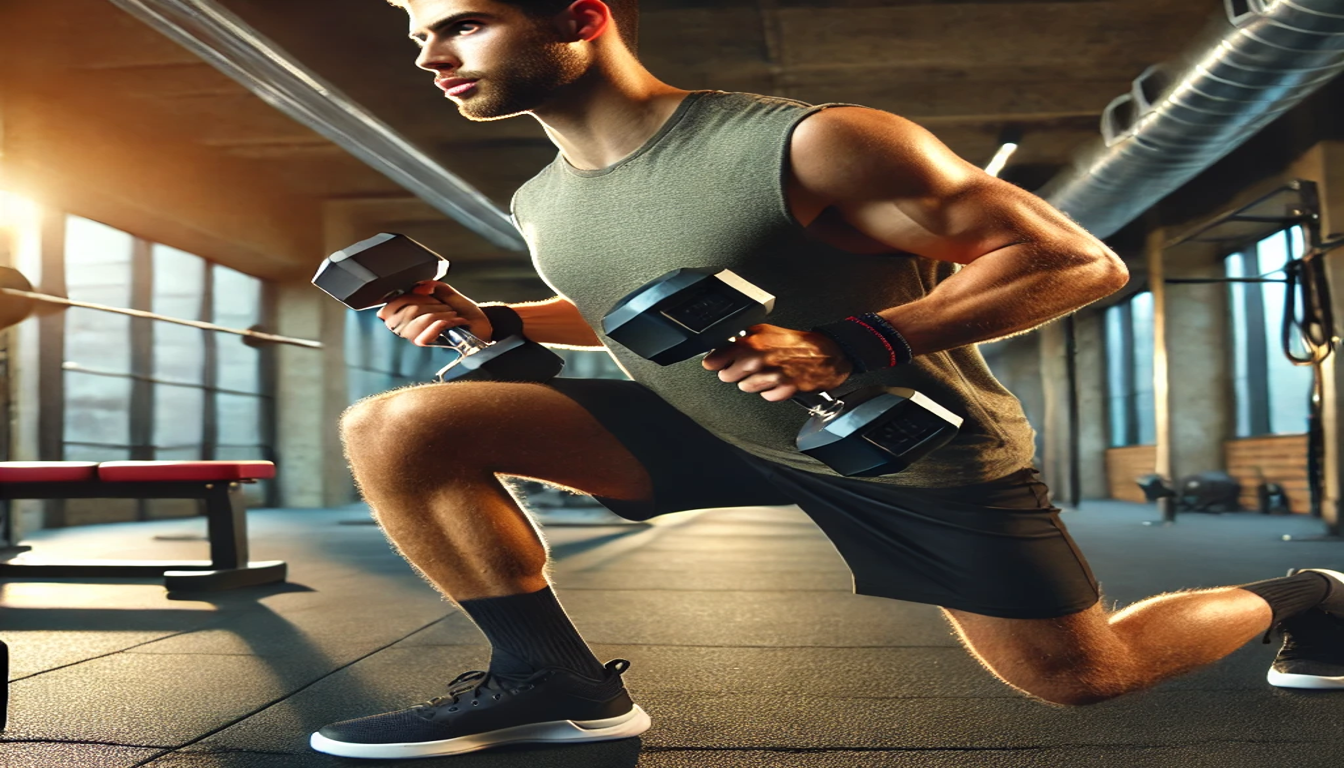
point(896, 183)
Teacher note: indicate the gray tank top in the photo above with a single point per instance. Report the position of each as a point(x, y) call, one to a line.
point(708, 190)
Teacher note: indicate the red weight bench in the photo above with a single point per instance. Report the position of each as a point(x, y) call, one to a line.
point(217, 483)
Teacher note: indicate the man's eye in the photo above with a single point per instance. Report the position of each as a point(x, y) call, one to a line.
point(468, 26)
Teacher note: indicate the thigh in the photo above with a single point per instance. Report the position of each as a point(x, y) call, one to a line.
point(418, 437)
point(999, 641)
point(688, 466)
point(1075, 658)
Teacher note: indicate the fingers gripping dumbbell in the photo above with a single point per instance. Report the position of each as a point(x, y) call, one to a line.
point(372, 272)
point(870, 431)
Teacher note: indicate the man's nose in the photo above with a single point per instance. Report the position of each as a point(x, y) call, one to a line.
point(436, 58)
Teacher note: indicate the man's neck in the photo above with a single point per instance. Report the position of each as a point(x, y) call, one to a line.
point(606, 119)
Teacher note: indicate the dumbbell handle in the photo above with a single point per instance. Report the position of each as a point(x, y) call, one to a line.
point(820, 404)
point(461, 340)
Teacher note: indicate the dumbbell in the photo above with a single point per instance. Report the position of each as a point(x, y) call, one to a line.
point(871, 431)
point(372, 272)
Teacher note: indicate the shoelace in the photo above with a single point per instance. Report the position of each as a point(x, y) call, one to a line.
point(475, 683)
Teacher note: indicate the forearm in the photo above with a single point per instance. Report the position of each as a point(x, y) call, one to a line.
point(556, 322)
point(1006, 292)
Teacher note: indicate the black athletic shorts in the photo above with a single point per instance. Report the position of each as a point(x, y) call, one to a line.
point(997, 548)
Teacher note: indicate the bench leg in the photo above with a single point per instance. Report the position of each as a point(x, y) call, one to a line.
point(226, 517)
point(4, 685)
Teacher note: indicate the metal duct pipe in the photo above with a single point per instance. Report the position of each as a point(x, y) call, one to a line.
point(231, 46)
point(1179, 118)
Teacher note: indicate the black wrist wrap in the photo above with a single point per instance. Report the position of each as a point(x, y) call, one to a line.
point(869, 341)
point(504, 321)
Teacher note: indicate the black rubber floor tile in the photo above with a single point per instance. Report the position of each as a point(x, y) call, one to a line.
point(766, 515)
point(747, 619)
point(32, 652)
point(748, 560)
point(827, 672)
point(1134, 561)
point(390, 680)
point(153, 700)
point(613, 754)
point(1220, 755)
point(46, 755)
point(338, 631)
point(746, 542)
point(754, 619)
point(811, 721)
point(721, 580)
point(711, 526)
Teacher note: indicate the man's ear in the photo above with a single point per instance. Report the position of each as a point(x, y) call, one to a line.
point(587, 20)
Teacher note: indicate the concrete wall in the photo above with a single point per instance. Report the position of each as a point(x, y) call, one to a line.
point(1093, 431)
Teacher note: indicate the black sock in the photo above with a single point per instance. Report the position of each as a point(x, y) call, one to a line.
point(1289, 596)
point(530, 632)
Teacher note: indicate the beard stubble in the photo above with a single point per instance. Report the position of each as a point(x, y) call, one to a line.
point(527, 81)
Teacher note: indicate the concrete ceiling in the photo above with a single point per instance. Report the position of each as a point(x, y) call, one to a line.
point(117, 122)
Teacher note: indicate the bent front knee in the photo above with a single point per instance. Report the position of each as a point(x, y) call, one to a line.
point(385, 424)
point(363, 422)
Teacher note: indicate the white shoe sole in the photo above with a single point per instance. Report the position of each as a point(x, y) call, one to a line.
point(1310, 682)
point(632, 723)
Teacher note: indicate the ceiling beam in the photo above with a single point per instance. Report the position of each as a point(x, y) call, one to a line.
point(227, 43)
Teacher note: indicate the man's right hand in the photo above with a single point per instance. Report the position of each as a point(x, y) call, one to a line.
point(429, 309)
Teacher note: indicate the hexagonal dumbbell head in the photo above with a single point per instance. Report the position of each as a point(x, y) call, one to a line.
point(881, 431)
point(684, 313)
point(375, 271)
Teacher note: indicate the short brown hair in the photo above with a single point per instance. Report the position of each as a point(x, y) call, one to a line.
point(625, 12)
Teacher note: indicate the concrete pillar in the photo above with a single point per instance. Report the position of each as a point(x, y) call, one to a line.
point(1325, 165)
point(20, 248)
point(1197, 361)
point(1156, 259)
point(1054, 427)
point(311, 393)
point(1090, 330)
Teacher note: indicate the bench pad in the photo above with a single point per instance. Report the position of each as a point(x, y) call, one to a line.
point(184, 471)
point(48, 471)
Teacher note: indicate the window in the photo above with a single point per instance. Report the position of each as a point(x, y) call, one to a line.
point(98, 372)
point(144, 389)
point(1129, 372)
point(1272, 395)
point(240, 404)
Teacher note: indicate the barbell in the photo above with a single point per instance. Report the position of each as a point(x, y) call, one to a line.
point(18, 302)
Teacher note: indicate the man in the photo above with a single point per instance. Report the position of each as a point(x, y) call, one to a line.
point(890, 257)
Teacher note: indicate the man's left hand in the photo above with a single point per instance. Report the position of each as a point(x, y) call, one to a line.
point(778, 363)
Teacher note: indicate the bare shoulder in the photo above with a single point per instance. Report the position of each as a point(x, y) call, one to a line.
point(843, 152)
point(897, 184)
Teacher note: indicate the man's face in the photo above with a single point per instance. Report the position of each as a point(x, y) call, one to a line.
point(490, 58)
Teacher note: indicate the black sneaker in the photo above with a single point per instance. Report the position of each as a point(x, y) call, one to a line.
point(482, 710)
point(1313, 648)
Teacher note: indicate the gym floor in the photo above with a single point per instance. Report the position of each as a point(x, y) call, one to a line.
point(748, 650)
